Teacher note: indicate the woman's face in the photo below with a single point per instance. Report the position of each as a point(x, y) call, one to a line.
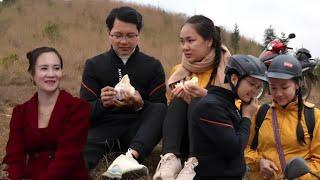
point(249, 88)
point(193, 46)
point(282, 91)
point(48, 72)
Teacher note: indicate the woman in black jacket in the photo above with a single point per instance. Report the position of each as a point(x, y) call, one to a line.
point(220, 129)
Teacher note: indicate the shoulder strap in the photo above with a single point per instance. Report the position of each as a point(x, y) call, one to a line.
point(259, 119)
point(310, 120)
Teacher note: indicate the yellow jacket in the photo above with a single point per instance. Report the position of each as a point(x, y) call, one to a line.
point(287, 119)
point(203, 79)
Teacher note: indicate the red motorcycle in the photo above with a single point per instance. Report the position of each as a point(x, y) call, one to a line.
point(280, 46)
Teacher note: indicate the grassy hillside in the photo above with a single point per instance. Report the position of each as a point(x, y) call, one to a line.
point(77, 29)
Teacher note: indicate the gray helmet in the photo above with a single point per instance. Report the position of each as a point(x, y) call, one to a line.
point(303, 54)
point(284, 67)
point(246, 65)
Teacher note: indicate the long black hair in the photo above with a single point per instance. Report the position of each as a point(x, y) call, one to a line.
point(299, 129)
point(208, 31)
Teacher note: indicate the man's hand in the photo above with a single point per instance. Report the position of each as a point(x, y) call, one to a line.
point(108, 95)
point(130, 100)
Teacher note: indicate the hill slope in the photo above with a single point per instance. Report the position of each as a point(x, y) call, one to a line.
point(77, 29)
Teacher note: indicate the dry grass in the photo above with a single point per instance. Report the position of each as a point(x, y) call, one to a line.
point(77, 29)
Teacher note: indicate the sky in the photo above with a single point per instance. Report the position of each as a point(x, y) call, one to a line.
point(254, 16)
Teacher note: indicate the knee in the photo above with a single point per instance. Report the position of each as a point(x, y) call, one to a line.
point(159, 107)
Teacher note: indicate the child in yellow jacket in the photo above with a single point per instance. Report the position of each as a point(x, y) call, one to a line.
point(284, 132)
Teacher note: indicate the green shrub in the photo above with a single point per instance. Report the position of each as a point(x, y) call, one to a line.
point(51, 3)
point(51, 30)
point(8, 61)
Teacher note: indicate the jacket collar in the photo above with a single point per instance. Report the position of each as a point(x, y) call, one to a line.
point(118, 59)
point(222, 92)
point(64, 100)
point(63, 96)
point(292, 105)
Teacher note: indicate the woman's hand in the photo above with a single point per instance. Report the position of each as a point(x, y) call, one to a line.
point(178, 92)
point(249, 109)
point(195, 91)
point(267, 168)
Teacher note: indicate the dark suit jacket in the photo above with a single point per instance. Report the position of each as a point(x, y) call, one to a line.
point(54, 152)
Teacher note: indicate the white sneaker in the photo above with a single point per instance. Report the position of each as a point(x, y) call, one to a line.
point(124, 164)
point(188, 173)
point(168, 167)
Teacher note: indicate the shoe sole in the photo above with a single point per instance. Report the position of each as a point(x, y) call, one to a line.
point(113, 175)
point(143, 172)
point(159, 178)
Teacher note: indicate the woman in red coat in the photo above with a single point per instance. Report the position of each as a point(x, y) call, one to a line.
point(48, 132)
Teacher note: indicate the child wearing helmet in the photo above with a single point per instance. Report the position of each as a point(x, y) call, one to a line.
point(220, 129)
point(285, 131)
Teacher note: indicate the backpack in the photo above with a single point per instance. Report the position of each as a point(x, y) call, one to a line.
point(308, 114)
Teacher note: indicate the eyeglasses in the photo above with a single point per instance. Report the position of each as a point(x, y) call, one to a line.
point(128, 37)
point(253, 84)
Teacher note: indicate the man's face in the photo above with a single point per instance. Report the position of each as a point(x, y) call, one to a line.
point(124, 37)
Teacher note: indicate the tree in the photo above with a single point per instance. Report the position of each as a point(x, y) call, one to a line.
point(283, 35)
point(235, 37)
point(269, 35)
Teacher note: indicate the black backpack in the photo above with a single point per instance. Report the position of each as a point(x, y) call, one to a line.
point(308, 114)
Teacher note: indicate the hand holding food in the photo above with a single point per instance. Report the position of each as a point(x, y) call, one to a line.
point(124, 86)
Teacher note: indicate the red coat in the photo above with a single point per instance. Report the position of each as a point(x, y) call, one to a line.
point(55, 152)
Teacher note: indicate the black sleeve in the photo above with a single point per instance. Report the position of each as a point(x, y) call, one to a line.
point(157, 89)
point(214, 121)
point(90, 91)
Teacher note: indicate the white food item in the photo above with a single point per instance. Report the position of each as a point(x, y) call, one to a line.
point(124, 86)
point(192, 82)
point(185, 83)
point(179, 84)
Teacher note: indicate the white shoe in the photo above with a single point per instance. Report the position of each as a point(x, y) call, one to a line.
point(188, 173)
point(124, 164)
point(168, 167)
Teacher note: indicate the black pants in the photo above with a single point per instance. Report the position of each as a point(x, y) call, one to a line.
point(141, 135)
point(177, 128)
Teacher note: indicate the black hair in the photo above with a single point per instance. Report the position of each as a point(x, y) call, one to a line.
point(35, 53)
point(299, 129)
point(208, 31)
point(125, 14)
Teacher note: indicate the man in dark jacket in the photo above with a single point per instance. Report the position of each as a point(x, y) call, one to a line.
point(134, 122)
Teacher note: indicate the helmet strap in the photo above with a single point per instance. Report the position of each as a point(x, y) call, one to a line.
point(234, 88)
